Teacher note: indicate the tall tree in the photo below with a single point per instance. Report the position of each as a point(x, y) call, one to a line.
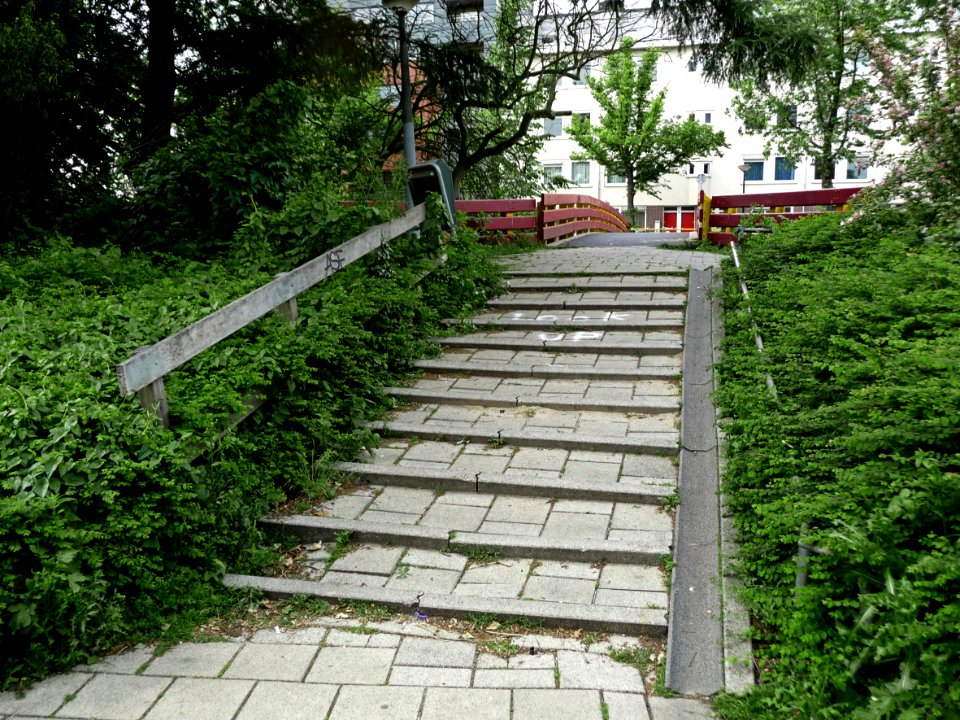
point(824, 113)
point(487, 90)
point(632, 137)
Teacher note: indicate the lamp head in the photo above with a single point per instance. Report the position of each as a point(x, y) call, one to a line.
point(404, 6)
point(743, 168)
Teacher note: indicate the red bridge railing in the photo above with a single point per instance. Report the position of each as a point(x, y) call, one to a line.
point(550, 218)
point(716, 215)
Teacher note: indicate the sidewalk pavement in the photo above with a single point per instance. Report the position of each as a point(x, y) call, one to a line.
point(343, 669)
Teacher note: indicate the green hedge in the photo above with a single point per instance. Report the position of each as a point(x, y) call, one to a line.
point(858, 454)
point(107, 529)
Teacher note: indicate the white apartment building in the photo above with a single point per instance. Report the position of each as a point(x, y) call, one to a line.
point(688, 93)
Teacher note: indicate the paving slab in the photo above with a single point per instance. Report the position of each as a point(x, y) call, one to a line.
point(46, 696)
point(588, 670)
point(430, 676)
point(382, 703)
point(562, 590)
point(126, 663)
point(625, 706)
point(272, 662)
point(556, 705)
point(351, 666)
point(435, 653)
point(466, 704)
point(679, 709)
point(289, 701)
point(507, 678)
point(201, 698)
point(193, 660)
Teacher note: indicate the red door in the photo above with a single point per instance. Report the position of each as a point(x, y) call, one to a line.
point(669, 219)
point(686, 220)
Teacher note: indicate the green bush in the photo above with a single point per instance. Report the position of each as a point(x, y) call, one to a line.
point(858, 454)
point(109, 524)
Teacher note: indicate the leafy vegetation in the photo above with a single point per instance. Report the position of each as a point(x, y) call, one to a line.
point(108, 523)
point(857, 454)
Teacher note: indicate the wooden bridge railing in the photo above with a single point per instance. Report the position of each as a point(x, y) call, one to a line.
point(716, 215)
point(144, 371)
point(550, 218)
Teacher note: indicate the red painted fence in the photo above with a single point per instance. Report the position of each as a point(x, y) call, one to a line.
point(551, 218)
point(717, 214)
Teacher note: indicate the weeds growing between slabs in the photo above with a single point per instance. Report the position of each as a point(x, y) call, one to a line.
point(108, 531)
point(857, 455)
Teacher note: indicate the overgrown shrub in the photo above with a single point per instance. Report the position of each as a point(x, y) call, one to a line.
point(858, 454)
point(109, 524)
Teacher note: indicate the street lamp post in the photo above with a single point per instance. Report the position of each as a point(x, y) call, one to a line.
point(401, 8)
point(744, 169)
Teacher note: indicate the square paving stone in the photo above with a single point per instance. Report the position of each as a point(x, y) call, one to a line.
point(576, 526)
point(125, 663)
point(379, 516)
point(351, 666)
point(431, 580)
point(435, 653)
point(515, 679)
point(431, 676)
point(378, 703)
point(357, 579)
point(678, 709)
point(468, 704)
point(47, 695)
point(564, 590)
point(373, 559)
point(539, 459)
point(502, 571)
point(632, 577)
point(551, 420)
point(403, 500)
point(454, 517)
point(556, 704)
point(594, 507)
point(589, 670)
point(345, 638)
point(456, 413)
point(481, 463)
point(303, 636)
point(567, 569)
point(431, 451)
point(289, 701)
point(631, 598)
point(651, 466)
point(271, 662)
point(519, 510)
point(640, 517)
point(564, 387)
point(504, 528)
point(346, 506)
point(466, 498)
point(418, 557)
point(626, 706)
point(193, 660)
point(476, 383)
point(201, 698)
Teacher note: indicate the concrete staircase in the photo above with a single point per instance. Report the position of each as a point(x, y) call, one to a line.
point(529, 472)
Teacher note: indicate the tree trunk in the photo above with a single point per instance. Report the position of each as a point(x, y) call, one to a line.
point(825, 167)
point(631, 214)
point(160, 79)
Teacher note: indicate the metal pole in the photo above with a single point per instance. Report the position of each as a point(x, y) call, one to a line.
point(743, 189)
point(406, 104)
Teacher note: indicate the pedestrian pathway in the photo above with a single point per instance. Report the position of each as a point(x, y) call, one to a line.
point(530, 476)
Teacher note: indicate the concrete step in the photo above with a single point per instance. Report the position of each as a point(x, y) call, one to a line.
point(598, 343)
point(589, 301)
point(603, 618)
point(521, 282)
point(644, 546)
point(636, 491)
point(628, 368)
point(641, 442)
point(626, 321)
point(453, 396)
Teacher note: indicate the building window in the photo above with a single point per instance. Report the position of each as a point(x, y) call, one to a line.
point(756, 170)
point(817, 174)
point(551, 172)
point(552, 127)
point(707, 117)
point(857, 169)
point(783, 169)
point(580, 172)
point(691, 170)
point(789, 115)
point(584, 118)
point(706, 168)
point(692, 64)
point(582, 76)
point(614, 179)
